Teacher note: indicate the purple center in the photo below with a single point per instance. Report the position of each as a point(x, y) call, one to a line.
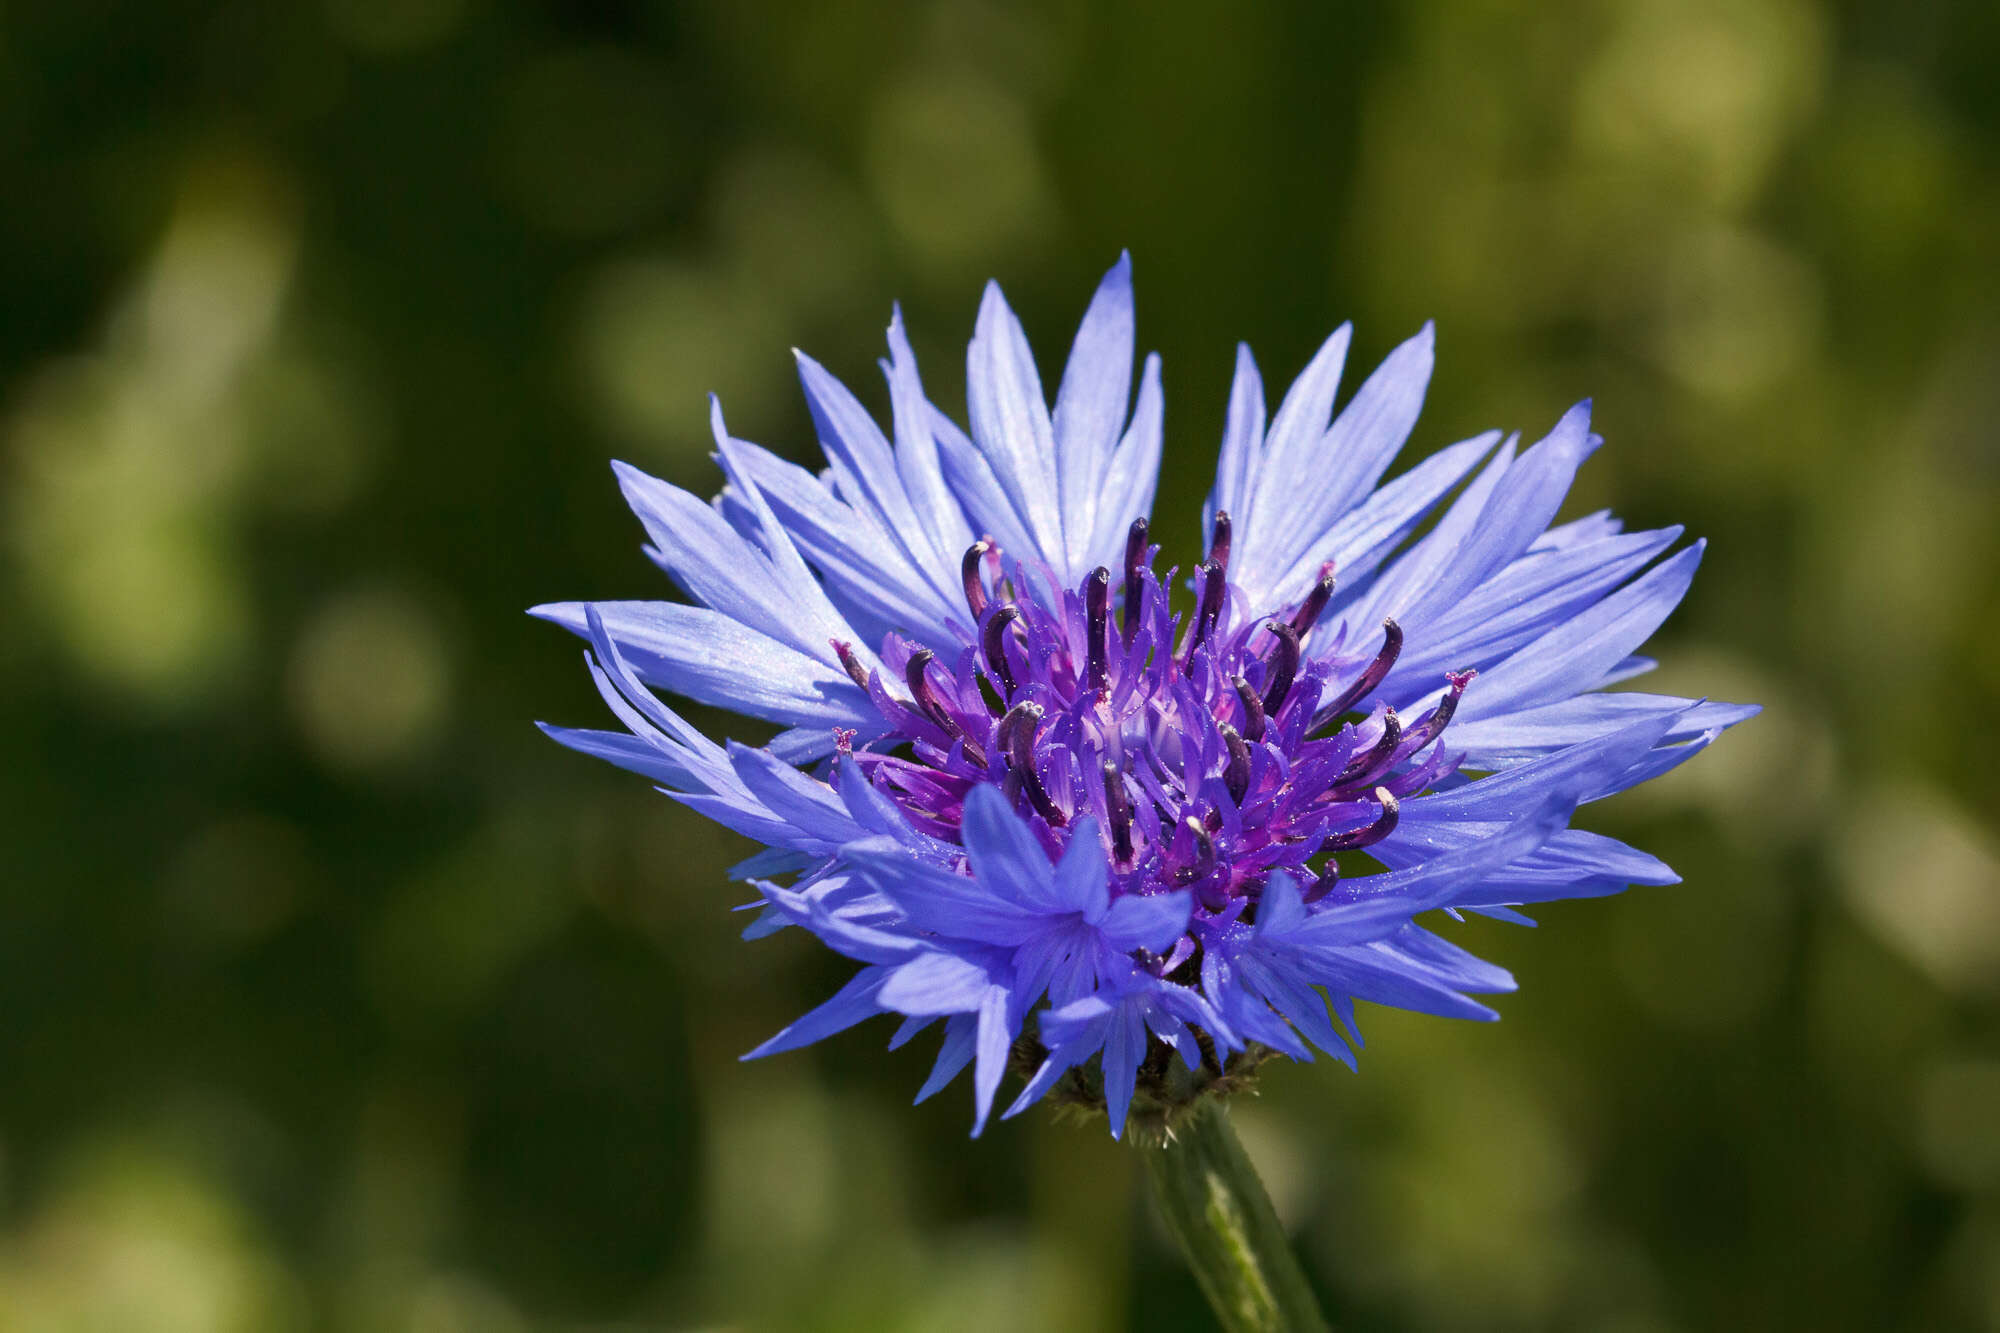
point(1209, 752)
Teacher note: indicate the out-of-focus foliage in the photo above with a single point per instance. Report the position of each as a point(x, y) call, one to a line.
point(333, 997)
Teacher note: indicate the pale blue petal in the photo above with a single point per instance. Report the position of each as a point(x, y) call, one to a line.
point(850, 1005)
point(1396, 896)
point(1011, 427)
point(1369, 533)
point(1153, 922)
point(1527, 599)
point(1242, 446)
point(714, 659)
point(995, 1041)
point(939, 514)
point(1303, 492)
point(1575, 655)
point(1005, 856)
point(1081, 882)
point(1535, 731)
point(625, 750)
point(1133, 476)
point(1090, 408)
point(934, 983)
point(953, 1056)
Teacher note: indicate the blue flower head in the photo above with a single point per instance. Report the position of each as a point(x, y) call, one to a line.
point(1130, 831)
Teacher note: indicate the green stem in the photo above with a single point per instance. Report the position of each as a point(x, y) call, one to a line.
point(1218, 1211)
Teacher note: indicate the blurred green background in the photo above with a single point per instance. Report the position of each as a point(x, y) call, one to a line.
point(334, 997)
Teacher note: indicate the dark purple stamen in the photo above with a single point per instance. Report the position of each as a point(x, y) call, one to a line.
point(1369, 834)
point(1118, 809)
point(1378, 755)
point(1236, 772)
point(1324, 884)
point(1253, 709)
point(1023, 720)
point(1097, 628)
point(968, 570)
point(916, 673)
point(1435, 721)
point(994, 640)
point(1218, 545)
point(1213, 896)
point(1309, 610)
point(1207, 609)
point(1135, 588)
point(1183, 744)
point(1284, 666)
point(849, 662)
point(1365, 683)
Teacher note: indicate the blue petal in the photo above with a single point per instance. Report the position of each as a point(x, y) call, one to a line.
point(942, 901)
point(1009, 862)
point(986, 501)
point(722, 570)
point(1361, 540)
point(807, 804)
point(625, 750)
point(1296, 430)
point(995, 1042)
point(1303, 491)
point(850, 1005)
point(1242, 446)
point(1011, 427)
point(1397, 588)
point(715, 659)
point(1582, 772)
point(1151, 922)
point(875, 576)
point(1124, 1047)
point(938, 510)
point(1574, 656)
point(1521, 506)
point(1400, 894)
point(1525, 600)
point(1134, 473)
point(1090, 408)
point(955, 1054)
point(934, 983)
point(1511, 737)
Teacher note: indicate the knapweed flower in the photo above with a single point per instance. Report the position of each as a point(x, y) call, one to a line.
point(1091, 815)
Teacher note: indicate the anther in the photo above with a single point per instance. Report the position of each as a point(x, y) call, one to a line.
point(1369, 834)
point(1218, 545)
point(916, 677)
point(1003, 731)
point(1378, 755)
point(1213, 897)
point(968, 570)
point(1097, 628)
point(1236, 771)
point(1310, 609)
point(1284, 666)
point(1324, 884)
point(1253, 708)
point(1365, 683)
point(1023, 720)
point(1118, 812)
point(1135, 588)
point(1207, 609)
point(849, 662)
point(916, 673)
point(994, 640)
point(1435, 721)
